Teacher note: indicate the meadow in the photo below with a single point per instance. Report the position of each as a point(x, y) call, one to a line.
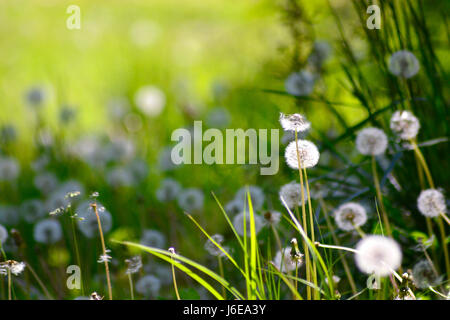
point(93, 205)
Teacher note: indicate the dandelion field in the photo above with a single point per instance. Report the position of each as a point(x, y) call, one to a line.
point(93, 205)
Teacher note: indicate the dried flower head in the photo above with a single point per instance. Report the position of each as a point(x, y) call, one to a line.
point(300, 83)
point(238, 223)
point(48, 231)
point(134, 264)
point(371, 141)
point(349, 215)
point(424, 275)
point(288, 260)
point(14, 267)
point(212, 248)
point(378, 255)
point(405, 124)
point(307, 153)
point(404, 64)
point(294, 122)
point(431, 203)
point(291, 193)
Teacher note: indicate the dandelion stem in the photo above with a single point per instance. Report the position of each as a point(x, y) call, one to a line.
point(305, 226)
point(108, 279)
point(130, 281)
point(313, 238)
point(77, 251)
point(444, 245)
point(224, 292)
point(9, 284)
point(380, 197)
point(444, 216)
point(172, 250)
point(39, 281)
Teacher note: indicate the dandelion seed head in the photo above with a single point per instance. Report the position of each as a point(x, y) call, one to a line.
point(153, 238)
point(3, 234)
point(8, 133)
point(168, 190)
point(9, 169)
point(148, 286)
point(46, 182)
point(291, 194)
point(378, 255)
point(256, 195)
point(35, 96)
point(336, 279)
point(307, 151)
point(424, 275)
point(119, 177)
point(150, 100)
point(134, 264)
point(15, 267)
point(405, 124)
point(294, 122)
point(218, 118)
point(320, 53)
point(234, 207)
point(431, 203)
point(88, 224)
point(287, 260)
point(9, 215)
point(95, 296)
point(238, 223)
point(47, 231)
point(212, 248)
point(300, 83)
point(272, 217)
point(191, 200)
point(404, 64)
point(165, 160)
point(371, 141)
point(349, 215)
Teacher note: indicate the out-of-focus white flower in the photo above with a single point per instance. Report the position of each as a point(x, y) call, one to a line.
point(32, 210)
point(153, 238)
point(307, 152)
point(294, 122)
point(36, 96)
point(119, 177)
point(191, 200)
point(336, 279)
point(218, 118)
point(320, 53)
point(212, 248)
point(291, 194)
point(287, 260)
point(404, 64)
point(405, 124)
point(47, 231)
point(118, 107)
point(46, 182)
point(150, 100)
point(431, 203)
point(238, 223)
point(15, 267)
point(371, 141)
point(300, 83)
point(168, 190)
point(88, 224)
point(9, 215)
point(165, 160)
point(272, 217)
point(144, 33)
point(134, 264)
point(9, 169)
point(378, 255)
point(148, 286)
point(3, 234)
point(234, 207)
point(349, 215)
point(256, 195)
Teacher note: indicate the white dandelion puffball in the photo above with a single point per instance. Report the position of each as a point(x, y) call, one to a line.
point(47, 231)
point(431, 203)
point(256, 195)
point(285, 261)
point(424, 275)
point(148, 286)
point(191, 200)
point(320, 53)
point(378, 255)
point(294, 122)
point(46, 182)
point(371, 141)
point(9, 215)
point(272, 217)
point(9, 169)
point(119, 177)
point(291, 194)
point(238, 223)
point(307, 151)
point(150, 100)
point(212, 248)
point(168, 190)
point(89, 225)
point(349, 215)
point(234, 207)
point(3, 234)
point(405, 124)
point(153, 238)
point(300, 83)
point(404, 64)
